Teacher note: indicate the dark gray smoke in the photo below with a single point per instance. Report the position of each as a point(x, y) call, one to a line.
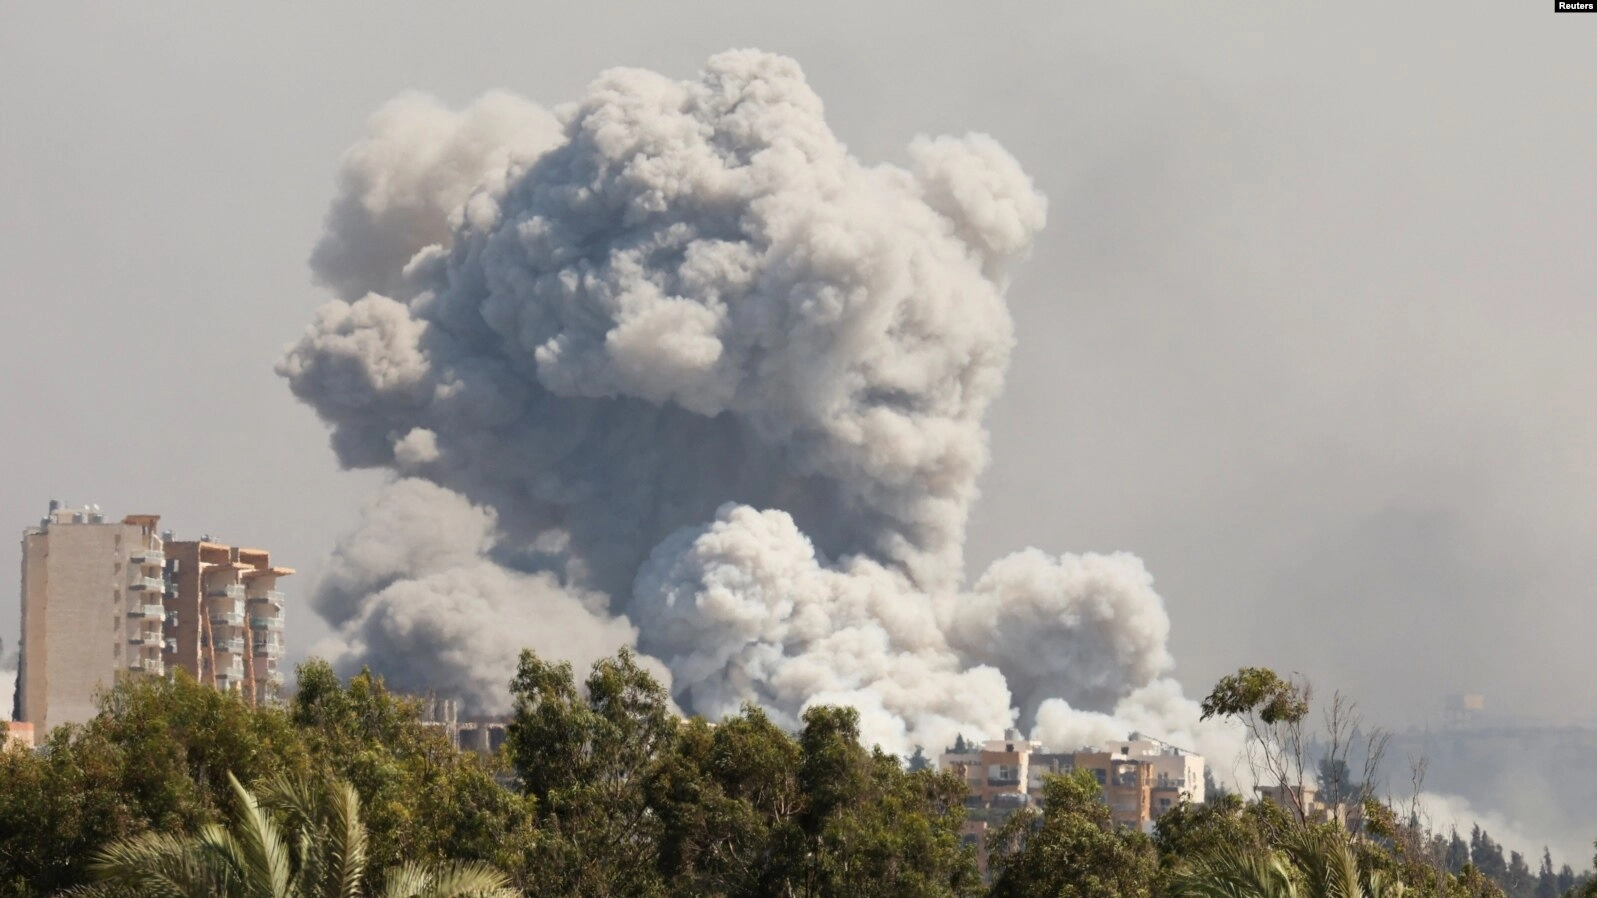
point(671, 369)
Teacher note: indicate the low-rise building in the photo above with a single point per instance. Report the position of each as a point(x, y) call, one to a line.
point(16, 733)
point(1141, 779)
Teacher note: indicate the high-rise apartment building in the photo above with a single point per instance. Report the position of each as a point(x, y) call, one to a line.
point(225, 616)
point(107, 599)
point(91, 611)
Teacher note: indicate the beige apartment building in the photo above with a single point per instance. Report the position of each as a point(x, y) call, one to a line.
point(91, 611)
point(106, 599)
point(1141, 779)
point(225, 616)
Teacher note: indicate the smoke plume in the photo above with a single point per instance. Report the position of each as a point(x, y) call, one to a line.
point(669, 368)
point(8, 682)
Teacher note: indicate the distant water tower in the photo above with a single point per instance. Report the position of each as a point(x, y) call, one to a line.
point(1462, 708)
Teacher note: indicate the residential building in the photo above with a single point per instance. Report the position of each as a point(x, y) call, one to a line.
point(1177, 774)
point(104, 599)
point(16, 733)
point(1141, 779)
point(91, 611)
point(225, 616)
point(1304, 798)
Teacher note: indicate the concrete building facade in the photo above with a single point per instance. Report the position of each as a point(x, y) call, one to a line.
point(1141, 779)
point(225, 616)
point(102, 600)
point(91, 611)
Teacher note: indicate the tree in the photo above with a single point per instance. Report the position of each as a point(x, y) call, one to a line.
point(1457, 854)
point(423, 799)
point(1519, 883)
point(587, 762)
point(1069, 848)
point(1590, 891)
point(1201, 830)
point(296, 840)
point(866, 826)
point(724, 797)
point(155, 757)
point(1487, 855)
point(1546, 879)
point(918, 760)
point(1273, 710)
point(633, 801)
point(1213, 789)
point(1314, 861)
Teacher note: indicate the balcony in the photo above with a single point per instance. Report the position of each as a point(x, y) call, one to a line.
point(170, 645)
point(225, 591)
point(234, 646)
point(275, 678)
point(146, 583)
point(147, 665)
point(148, 557)
point(227, 618)
point(147, 611)
point(270, 624)
point(268, 650)
point(275, 596)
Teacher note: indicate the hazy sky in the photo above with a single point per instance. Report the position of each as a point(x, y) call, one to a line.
point(1310, 328)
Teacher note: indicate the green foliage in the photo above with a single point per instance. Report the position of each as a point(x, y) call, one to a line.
point(297, 839)
point(1070, 848)
point(1312, 862)
point(1198, 830)
point(587, 761)
point(604, 791)
point(423, 799)
point(867, 827)
point(1258, 691)
point(1590, 890)
point(632, 801)
point(156, 758)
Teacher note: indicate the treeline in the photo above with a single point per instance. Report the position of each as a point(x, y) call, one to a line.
point(611, 794)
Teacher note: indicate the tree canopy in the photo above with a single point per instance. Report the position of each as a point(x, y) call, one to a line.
point(602, 789)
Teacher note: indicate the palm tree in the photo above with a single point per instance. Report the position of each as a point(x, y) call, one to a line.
point(291, 841)
point(1308, 864)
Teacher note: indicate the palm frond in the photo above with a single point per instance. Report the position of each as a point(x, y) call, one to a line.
point(1231, 872)
point(156, 866)
point(257, 846)
point(346, 843)
point(461, 879)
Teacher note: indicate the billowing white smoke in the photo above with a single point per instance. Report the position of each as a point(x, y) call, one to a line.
point(672, 369)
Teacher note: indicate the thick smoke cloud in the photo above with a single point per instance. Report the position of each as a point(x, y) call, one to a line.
point(672, 369)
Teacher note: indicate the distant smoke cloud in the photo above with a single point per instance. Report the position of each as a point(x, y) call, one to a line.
point(674, 370)
point(1444, 813)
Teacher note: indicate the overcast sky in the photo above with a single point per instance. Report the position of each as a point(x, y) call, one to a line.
point(1310, 328)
